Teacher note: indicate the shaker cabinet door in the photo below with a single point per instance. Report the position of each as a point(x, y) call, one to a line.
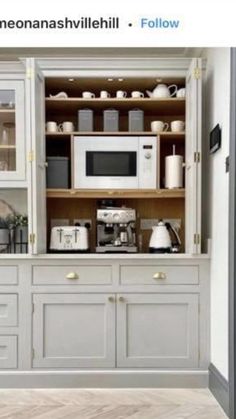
point(193, 157)
point(12, 131)
point(36, 110)
point(74, 330)
point(157, 330)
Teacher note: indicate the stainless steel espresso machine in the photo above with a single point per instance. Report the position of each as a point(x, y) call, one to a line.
point(116, 230)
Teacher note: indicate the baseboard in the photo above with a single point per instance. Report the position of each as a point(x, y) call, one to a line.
point(219, 387)
point(104, 379)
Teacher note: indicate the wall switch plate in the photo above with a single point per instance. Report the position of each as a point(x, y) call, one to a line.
point(148, 223)
point(83, 221)
point(59, 222)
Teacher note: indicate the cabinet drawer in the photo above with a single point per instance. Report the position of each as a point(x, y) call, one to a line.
point(158, 275)
point(8, 275)
point(8, 310)
point(74, 275)
point(8, 351)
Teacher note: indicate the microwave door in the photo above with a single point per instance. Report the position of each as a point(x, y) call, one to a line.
point(107, 165)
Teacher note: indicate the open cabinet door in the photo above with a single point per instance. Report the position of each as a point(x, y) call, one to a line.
point(193, 157)
point(37, 196)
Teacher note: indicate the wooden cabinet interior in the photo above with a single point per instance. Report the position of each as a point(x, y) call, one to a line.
point(171, 208)
point(172, 204)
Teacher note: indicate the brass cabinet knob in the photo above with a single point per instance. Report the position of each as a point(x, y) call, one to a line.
point(111, 299)
point(159, 275)
point(72, 275)
point(121, 299)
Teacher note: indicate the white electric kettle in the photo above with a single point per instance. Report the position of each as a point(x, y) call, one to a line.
point(161, 242)
point(162, 90)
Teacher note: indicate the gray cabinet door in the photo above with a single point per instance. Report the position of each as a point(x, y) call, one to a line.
point(74, 330)
point(157, 330)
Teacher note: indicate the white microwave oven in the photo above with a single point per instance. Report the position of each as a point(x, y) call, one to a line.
point(116, 162)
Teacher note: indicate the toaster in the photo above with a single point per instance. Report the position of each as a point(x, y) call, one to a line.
point(69, 239)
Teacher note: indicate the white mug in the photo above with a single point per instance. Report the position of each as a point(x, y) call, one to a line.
point(120, 94)
point(177, 126)
point(66, 126)
point(104, 94)
point(88, 95)
point(159, 126)
point(181, 92)
point(51, 126)
point(136, 93)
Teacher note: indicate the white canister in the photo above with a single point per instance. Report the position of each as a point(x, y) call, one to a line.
point(173, 172)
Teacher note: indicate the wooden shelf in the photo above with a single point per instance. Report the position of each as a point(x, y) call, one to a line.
point(7, 147)
point(7, 110)
point(166, 135)
point(121, 193)
point(165, 106)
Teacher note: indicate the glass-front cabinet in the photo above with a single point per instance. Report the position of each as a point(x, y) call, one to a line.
point(12, 130)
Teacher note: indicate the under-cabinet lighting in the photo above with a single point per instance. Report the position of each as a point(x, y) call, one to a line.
point(110, 79)
point(71, 79)
point(120, 79)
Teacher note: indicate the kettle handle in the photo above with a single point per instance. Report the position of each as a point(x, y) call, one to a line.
point(177, 238)
point(175, 89)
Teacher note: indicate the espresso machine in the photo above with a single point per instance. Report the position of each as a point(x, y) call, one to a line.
point(116, 230)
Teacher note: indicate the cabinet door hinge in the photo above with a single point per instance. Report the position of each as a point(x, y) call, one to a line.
point(32, 238)
point(29, 73)
point(197, 157)
point(199, 354)
point(33, 308)
point(196, 238)
point(33, 353)
point(197, 73)
point(31, 156)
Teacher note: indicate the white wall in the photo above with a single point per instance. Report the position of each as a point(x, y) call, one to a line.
point(215, 199)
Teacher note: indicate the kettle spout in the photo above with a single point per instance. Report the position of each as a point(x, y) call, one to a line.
point(150, 94)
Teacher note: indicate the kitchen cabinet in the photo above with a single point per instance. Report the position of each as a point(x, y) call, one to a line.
point(183, 204)
point(12, 131)
point(74, 330)
point(8, 352)
point(150, 330)
point(157, 330)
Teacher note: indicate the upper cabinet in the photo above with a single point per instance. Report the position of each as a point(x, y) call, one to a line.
point(58, 91)
point(12, 131)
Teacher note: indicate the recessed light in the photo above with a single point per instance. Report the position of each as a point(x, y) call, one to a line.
point(71, 79)
point(120, 79)
point(159, 80)
point(109, 79)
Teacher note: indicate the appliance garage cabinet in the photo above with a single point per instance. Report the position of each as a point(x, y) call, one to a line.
point(111, 315)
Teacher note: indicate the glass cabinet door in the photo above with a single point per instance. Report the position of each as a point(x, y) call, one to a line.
point(12, 130)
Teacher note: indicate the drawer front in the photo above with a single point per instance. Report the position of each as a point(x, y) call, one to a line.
point(74, 275)
point(159, 275)
point(8, 310)
point(8, 351)
point(8, 275)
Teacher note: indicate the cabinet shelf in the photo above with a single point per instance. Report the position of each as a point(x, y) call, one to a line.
point(166, 135)
point(162, 106)
point(7, 147)
point(121, 193)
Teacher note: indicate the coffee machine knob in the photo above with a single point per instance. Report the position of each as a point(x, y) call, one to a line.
point(116, 216)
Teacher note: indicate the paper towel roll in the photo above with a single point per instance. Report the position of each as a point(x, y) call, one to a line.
point(174, 172)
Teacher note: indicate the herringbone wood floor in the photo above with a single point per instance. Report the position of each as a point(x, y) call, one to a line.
point(109, 404)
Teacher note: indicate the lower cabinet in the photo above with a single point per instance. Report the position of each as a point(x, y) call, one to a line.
point(157, 330)
point(128, 330)
point(74, 330)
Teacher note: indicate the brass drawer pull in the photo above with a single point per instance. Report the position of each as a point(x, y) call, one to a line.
point(159, 275)
point(121, 299)
point(72, 275)
point(111, 299)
